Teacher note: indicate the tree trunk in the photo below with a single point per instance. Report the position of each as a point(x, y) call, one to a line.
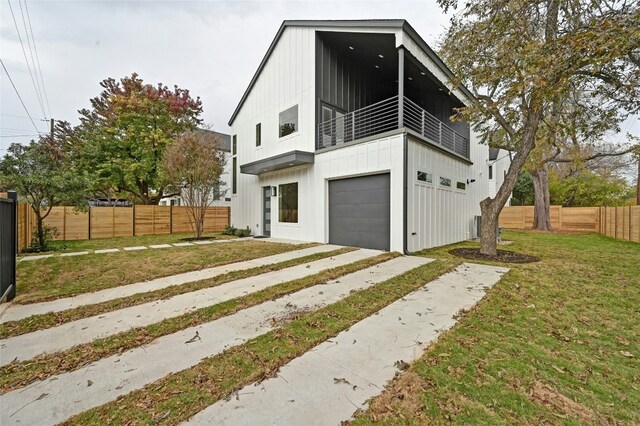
point(41, 242)
point(490, 208)
point(542, 200)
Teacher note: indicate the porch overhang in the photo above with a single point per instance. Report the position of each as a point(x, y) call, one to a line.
point(278, 162)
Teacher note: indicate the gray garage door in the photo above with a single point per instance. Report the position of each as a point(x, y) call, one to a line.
point(359, 212)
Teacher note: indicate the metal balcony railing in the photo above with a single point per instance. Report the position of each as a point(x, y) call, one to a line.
point(382, 117)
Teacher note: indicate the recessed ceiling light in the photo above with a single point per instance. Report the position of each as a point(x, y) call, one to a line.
point(350, 47)
point(410, 78)
point(422, 73)
point(377, 66)
point(380, 56)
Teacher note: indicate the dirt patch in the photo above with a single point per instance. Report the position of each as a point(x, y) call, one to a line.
point(197, 239)
point(549, 397)
point(502, 256)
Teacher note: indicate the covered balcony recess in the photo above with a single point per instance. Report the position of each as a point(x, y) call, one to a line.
point(366, 86)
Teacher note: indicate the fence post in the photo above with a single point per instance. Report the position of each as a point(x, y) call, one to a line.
point(133, 220)
point(171, 219)
point(89, 220)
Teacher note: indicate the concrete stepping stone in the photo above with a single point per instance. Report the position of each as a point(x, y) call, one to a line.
point(346, 371)
point(182, 244)
point(114, 250)
point(135, 248)
point(27, 346)
point(17, 312)
point(160, 246)
point(37, 257)
point(203, 242)
point(75, 253)
point(67, 394)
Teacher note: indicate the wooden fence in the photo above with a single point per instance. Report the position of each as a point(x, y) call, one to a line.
point(617, 222)
point(108, 222)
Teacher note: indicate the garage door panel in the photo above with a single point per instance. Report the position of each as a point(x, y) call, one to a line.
point(359, 211)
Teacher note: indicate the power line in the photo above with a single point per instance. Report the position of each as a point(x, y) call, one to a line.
point(33, 39)
point(21, 116)
point(19, 97)
point(26, 59)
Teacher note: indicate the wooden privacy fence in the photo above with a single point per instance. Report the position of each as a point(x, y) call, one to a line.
point(618, 222)
point(108, 222)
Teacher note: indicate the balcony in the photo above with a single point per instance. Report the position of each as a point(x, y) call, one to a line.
point(384, 116)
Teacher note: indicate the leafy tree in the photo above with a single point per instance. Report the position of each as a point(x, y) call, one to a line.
point(523, 190)
point(192, 166)
point(519, 58)
point(586, 188)
point(43, 176)
point(126, 131)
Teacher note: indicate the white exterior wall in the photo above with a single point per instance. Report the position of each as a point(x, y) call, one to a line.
point(438, 215)
point(378, 156)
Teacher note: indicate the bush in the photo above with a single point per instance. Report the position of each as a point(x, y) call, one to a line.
point(229, 230)
point(49, 233)
point(243, 232)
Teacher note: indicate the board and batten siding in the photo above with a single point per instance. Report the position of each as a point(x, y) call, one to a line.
point(439, 215)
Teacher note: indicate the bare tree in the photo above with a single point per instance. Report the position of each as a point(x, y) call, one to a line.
point(192, 166)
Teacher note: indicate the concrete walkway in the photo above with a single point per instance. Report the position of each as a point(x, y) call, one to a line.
point(27, 346)
point(17, 312)
point(326, 385)
point(60, 397)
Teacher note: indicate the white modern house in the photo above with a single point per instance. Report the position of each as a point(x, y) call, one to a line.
point(222, 195)
point(344, 136)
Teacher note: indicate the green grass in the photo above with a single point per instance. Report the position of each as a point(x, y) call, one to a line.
point(568, 324)
point(120, 242)
point(53, 319)
point(20, 374)
point(57, 277)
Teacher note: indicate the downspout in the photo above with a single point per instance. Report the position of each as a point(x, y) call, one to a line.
point(405, 214)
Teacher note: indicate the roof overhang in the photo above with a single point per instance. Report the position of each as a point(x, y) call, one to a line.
point(355, 24)
point(278, 162)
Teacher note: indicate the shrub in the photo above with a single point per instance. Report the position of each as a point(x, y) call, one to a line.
point(243, 232)
point(49, 233)
point(229, 230)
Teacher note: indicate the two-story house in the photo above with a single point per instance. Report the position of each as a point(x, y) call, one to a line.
point(344, 136)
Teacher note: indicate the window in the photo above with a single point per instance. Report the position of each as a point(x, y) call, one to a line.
point(425, 177)
point(461, 185)
point(288, 206)
point(491, 171)
point(289, 121)
point(445, 181)
point(234, 179)
point(234, 148)
point(258, 134)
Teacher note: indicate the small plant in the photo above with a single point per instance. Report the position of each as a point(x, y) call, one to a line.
point(229, 230)
point(48, 233)
point(243, 232)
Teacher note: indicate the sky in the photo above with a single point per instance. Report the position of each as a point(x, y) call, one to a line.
point(211, 48)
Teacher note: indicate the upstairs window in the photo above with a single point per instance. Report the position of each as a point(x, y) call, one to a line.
point(234, 178)
point(491, 172)
point(258, 134)
point(234, 145)
point(288, 205)
point(288, 121)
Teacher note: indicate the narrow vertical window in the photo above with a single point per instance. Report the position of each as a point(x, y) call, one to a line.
point(234, 179)
point(234, 148)
point(491, 172)
point(258, 134)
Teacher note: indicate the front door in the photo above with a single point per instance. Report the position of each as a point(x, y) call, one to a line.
point(266, 211)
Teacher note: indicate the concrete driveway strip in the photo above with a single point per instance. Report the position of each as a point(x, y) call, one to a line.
point(27, 346)
point(326, 385)
point(60, 397)
point(18, 312)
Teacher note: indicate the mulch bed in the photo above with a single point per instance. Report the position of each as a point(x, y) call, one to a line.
point(197, 239)
point(503, 256)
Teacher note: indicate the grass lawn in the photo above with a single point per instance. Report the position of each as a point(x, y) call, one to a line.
point(554, 342)
point(120, 242)
point(57, 277)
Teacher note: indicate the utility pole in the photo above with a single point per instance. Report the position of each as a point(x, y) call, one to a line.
point(52, 124)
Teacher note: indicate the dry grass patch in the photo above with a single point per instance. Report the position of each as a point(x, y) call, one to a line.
point(58, 277)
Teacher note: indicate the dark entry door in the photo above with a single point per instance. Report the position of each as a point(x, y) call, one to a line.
point(266, 211)
point(360, 212)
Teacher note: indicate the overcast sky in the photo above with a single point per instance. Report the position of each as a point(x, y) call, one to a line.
point(211, 48)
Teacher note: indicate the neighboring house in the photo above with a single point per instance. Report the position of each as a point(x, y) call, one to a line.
point(498, 165)
point(344, 136)
point(221, 197)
